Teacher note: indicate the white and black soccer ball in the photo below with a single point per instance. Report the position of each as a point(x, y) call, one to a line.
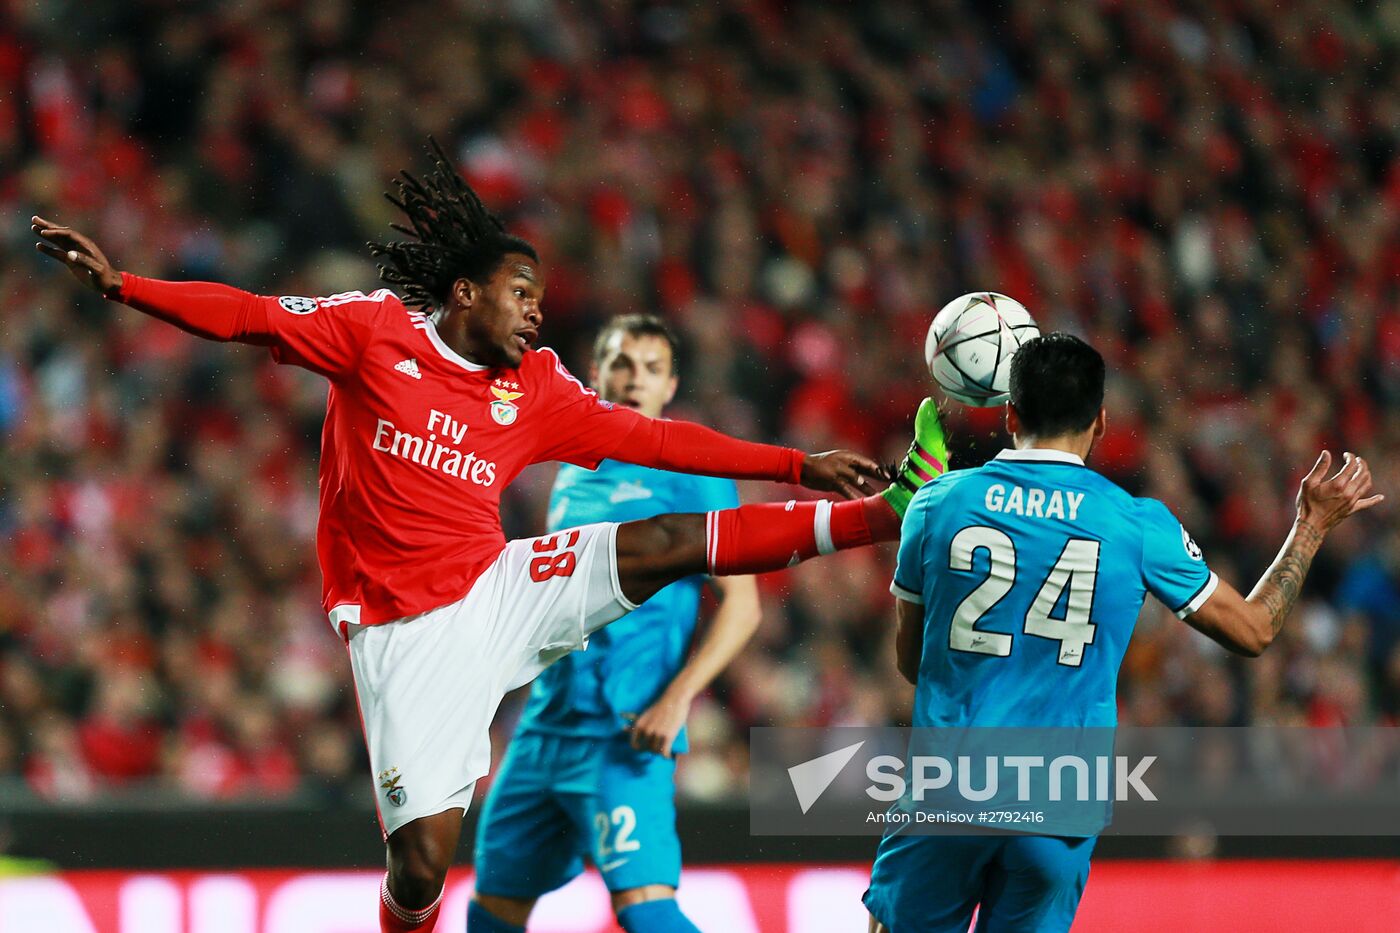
point(970, 345)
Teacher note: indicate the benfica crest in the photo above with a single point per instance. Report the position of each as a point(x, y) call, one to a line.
point(389, 780)
point(504, 410)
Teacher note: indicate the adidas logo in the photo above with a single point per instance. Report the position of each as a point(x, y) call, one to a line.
point(409, 367)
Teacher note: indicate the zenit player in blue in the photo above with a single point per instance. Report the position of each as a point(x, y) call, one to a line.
point(1018, 586)
point(590, 769)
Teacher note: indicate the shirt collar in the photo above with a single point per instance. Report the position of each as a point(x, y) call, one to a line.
point(1041, 454)
point(447, 352)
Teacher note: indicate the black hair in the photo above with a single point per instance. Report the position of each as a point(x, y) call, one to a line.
point(454, 235)
point(638, 325)
point(1056, 385)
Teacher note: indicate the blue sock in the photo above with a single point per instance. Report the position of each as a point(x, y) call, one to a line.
point(481, 920)
point(663, 916)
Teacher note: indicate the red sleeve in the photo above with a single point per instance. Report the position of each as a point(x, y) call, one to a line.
point(578, 426)
point(583, 429)
point(693, 448)
point(326, 335)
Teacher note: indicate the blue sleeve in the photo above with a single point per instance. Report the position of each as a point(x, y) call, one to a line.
point(908, 582)
point(711, 494)
point(1173, 569)
point(559, 498)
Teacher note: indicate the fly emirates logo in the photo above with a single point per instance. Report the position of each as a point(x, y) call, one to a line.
point(433, 453)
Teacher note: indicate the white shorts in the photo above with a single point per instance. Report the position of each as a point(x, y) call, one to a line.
point(429, 685)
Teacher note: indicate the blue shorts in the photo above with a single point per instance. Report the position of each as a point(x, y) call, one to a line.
point(559, 799)
point(923, 884)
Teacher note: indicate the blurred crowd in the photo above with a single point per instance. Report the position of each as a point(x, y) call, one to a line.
point(1207, 191)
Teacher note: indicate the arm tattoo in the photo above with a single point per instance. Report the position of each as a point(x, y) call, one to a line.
point(1279, 589)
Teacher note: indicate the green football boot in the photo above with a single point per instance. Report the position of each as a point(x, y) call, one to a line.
point(927, 458)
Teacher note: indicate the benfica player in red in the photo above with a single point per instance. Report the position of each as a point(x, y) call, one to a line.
point(437, 401)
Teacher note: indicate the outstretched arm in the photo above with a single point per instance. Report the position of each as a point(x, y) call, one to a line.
point(205, 309)
point(732, 627)
point(1247, 625)
point(326, 336)
point(691, 448)
point(584, 431)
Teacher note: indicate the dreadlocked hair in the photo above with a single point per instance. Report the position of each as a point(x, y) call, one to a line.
point(454, 235)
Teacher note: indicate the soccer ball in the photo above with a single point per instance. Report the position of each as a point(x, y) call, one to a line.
point(970, 345)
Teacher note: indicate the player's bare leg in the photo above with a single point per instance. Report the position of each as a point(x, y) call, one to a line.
point(650, 907)
point(507, 912)
point(419, 854)
point(623, 900)
point(516, 911)
point(655, 552)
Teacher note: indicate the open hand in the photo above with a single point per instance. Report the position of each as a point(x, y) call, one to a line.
point(79, 254)
point(1325, 503)
point(841, 471)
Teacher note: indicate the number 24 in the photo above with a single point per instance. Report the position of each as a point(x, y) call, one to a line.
point(1076, 568)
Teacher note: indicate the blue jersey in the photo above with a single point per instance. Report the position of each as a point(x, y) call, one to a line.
point(1032, 570)
point(629, 662)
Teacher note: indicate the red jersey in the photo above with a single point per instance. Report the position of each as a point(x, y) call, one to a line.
point(417, 446)
point(419, 441)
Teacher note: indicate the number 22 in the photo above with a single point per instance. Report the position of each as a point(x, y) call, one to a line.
point(625, 819)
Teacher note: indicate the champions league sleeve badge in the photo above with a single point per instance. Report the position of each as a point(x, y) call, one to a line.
point(295, 304)
point(504, 411)
point(1193, 550)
